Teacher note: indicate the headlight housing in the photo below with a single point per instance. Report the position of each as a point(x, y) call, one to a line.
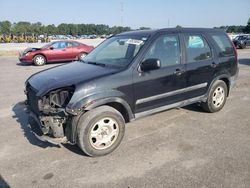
point(28, 53)
point(55, 100)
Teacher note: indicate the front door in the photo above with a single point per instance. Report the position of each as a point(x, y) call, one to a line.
point(164, 86)
point(60, 52)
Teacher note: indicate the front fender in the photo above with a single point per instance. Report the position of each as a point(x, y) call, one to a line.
point(80, 104)
point(101, 102)
point(85, 105)
point(82, 100)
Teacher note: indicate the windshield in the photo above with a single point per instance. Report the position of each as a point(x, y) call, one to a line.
point(47, 45)
point(117, 51)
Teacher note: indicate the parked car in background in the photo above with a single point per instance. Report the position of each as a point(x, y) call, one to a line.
point(128, 76)
point(242, 41)
point(59, 51)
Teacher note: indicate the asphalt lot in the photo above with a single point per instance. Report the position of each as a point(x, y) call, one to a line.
point(183, 147)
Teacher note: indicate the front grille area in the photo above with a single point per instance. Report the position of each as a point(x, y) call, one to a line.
point(32, 99)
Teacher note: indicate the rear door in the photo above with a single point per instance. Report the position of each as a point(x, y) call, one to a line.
point(199, 64)
point(75, 50)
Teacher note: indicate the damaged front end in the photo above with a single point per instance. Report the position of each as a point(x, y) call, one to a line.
point(47, 116)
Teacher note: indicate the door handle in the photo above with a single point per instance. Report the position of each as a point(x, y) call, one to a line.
point(214, 65)
point(178, 72)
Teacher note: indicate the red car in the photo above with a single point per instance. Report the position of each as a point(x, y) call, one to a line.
point(55, 52)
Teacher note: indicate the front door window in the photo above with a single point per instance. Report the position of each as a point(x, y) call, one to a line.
point(167, 49)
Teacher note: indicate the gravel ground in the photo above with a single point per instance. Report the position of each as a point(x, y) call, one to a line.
point(183, 147)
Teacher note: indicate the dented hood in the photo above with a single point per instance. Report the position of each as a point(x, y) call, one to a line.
point(30, 50)
point(67, 75)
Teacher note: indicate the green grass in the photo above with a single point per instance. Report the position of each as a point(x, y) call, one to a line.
point(8, 53)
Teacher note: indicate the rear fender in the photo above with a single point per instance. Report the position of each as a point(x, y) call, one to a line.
point(224, 77)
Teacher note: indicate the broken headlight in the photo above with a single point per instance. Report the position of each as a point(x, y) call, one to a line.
point(54, 100)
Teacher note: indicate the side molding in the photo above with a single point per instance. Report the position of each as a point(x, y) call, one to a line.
point(168, 94)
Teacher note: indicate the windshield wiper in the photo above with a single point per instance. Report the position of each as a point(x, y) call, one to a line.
point(95, 63)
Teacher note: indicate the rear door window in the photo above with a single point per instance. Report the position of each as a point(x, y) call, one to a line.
point(197, 48)
point(224, 45)
point(76, 44)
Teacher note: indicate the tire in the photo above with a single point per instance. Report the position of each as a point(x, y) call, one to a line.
point(217, 97)
point(242, 46)
point(82, 55)
point(96, 137)
point(39, 60)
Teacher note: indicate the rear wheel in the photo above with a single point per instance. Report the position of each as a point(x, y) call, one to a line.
point(217, 97)
point(39, 60)
point(100, 131)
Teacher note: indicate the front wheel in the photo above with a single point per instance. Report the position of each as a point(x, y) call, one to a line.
point(217, 97)
point(39, 60)
point(100, 131)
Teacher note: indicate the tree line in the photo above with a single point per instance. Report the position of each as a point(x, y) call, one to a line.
point(6, 27)
point(236, 28)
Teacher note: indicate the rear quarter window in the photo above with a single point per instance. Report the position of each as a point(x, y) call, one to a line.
point(224, 45)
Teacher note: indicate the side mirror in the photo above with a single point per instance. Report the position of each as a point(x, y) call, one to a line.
point(150, 64)
point(51, 48)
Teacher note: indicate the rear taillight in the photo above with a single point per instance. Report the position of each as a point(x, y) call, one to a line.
point(235, 50)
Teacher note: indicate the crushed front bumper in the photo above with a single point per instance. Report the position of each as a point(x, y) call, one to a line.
point(38, 130)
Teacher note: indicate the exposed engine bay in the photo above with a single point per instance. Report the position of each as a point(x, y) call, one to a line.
point(50, 113)
point(55, 101)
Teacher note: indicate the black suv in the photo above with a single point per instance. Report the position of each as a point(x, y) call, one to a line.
point(242, 41)
point(128, 76)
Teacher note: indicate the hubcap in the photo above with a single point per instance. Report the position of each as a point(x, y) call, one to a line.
point(40, 60)
point(218, 97)
point(104, 133)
